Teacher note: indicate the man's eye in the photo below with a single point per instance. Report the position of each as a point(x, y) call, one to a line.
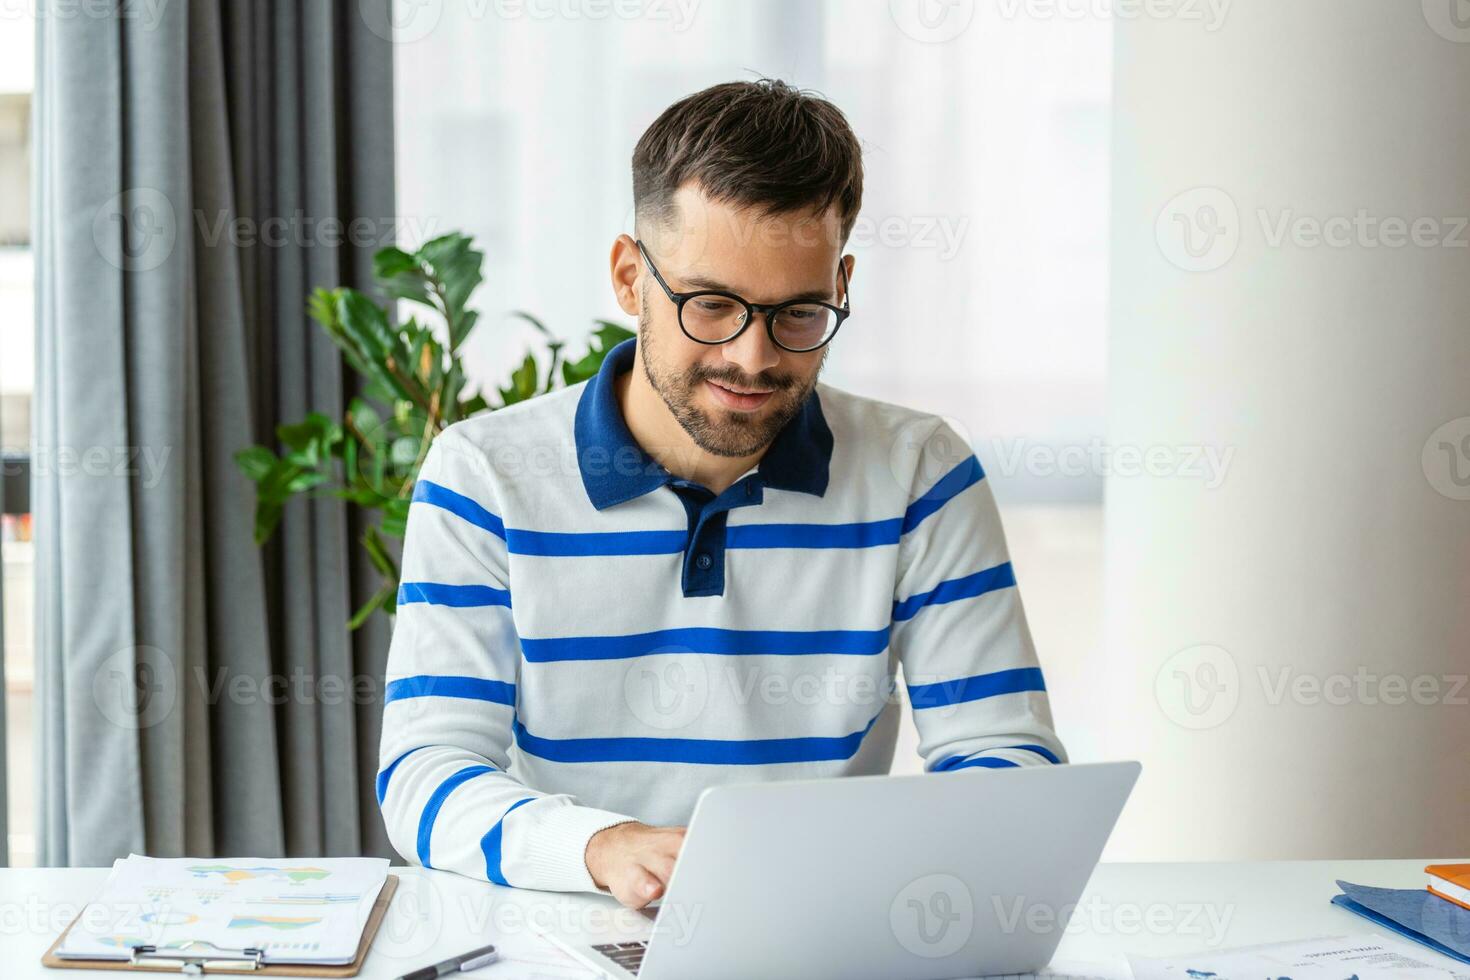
point(711, 305)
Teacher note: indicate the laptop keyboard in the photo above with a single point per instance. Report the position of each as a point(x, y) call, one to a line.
point(629, 956)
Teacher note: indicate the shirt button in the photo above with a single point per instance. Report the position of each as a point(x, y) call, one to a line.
point(703, 562)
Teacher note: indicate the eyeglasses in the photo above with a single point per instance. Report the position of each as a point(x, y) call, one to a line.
point(711, 316)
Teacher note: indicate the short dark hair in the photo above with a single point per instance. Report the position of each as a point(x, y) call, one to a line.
point(762, 144)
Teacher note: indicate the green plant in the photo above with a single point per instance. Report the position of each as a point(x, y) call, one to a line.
point(416, 386)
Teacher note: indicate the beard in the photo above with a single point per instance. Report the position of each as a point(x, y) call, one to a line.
point(724, 432)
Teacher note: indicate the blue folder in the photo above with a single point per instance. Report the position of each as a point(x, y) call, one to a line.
point(1414, 913)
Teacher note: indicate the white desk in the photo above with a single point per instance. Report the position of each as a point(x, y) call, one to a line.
point(1149, 909)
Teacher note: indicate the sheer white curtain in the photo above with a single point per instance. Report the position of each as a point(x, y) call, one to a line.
point(981, 248)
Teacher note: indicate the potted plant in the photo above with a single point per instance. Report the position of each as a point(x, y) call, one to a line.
point(415, 388)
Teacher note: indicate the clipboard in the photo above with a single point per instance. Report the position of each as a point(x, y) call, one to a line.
point(230, 961)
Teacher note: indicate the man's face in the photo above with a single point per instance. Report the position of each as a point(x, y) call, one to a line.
point(734, 398)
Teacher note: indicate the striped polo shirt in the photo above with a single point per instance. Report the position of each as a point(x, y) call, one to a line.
point(583, 639)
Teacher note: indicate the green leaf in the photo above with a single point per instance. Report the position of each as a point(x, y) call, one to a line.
point(382, 599)
point(256, 462)
point(522, 382)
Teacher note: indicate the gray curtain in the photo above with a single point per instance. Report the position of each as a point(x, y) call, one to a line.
point(198, 695)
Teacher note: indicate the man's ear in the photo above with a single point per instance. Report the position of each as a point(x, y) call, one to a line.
point(848, 264)
point(627, 270)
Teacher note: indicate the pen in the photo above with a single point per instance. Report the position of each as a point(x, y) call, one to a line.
point(472, 960)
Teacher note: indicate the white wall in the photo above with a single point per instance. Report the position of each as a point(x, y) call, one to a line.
point(1337, 548)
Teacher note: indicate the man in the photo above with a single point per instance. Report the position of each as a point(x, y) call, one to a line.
point(701, 566)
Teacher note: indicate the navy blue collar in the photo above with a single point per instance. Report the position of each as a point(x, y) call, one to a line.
point(616, 469)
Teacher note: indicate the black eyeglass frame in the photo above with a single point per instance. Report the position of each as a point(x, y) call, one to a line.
point(769, 309)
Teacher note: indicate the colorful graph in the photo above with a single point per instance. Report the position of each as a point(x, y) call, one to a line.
point(272, 922)
point(295, 875)
point(166, 918)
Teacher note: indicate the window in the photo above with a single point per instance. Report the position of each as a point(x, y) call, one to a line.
point(981, 250)
point(17, 373)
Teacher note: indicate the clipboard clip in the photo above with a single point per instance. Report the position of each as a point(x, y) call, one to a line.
point(196, 964)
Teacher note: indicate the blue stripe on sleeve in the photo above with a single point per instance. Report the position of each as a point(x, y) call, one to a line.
point(387, 774)
point(450, 686)
point(490, 844)
point(978, 762)
point(950, 485)
point(436, 803)
point(703, 639)
point(696, 751)
point(990, 762)
point(991, 579)
point(428, 492)
point(444, 594)
point(963, 689)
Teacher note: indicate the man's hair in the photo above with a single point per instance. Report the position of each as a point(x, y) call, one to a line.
point(760, 144)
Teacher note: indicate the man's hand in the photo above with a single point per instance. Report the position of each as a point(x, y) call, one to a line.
point(634, 861)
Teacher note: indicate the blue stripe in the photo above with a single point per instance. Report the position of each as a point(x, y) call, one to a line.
point(950, 485)
point(963, 689)
point(490, 844)
point(387, 774)
point(428, 492)
point(571, 544)
point(991, 579)
point(450, 686)
point(436, 802)
point(868, 534)
point(979, 762)
point(703, 639)
point(697, 751)
point(443, 594)
point(966, 761)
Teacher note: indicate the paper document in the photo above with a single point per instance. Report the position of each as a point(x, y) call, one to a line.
point(1364, 956)
point(309, 910)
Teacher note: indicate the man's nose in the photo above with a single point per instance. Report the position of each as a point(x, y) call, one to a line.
point(753, 351)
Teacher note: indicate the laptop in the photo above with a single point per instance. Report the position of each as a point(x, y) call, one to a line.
point(941, 875)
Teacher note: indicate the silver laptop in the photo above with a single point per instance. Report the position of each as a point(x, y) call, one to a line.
point(956, 874)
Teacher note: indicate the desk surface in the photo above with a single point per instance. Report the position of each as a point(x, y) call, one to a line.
point(1148, 909)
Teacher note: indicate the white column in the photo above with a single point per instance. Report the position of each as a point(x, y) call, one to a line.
point(1290, 292)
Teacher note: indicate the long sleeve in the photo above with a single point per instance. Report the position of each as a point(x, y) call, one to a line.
point(959, 630)
point(450, 699)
